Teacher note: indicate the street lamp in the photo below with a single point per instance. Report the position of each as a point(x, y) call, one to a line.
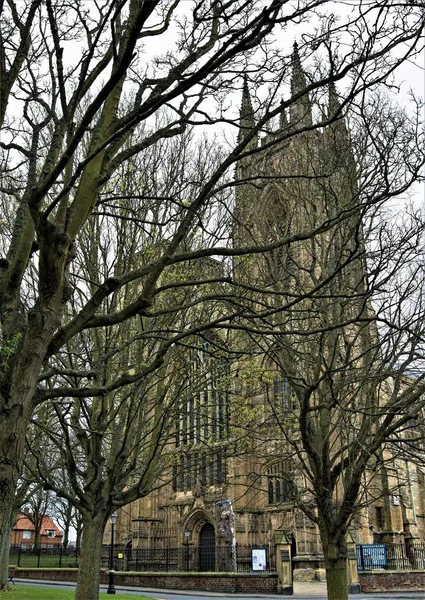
point(111, 587)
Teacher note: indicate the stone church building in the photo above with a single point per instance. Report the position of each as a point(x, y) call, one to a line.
point(296, 173)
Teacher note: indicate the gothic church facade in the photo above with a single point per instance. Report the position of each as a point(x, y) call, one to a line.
point(299, 176)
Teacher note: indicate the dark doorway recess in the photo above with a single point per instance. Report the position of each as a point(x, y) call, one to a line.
point(207, 548)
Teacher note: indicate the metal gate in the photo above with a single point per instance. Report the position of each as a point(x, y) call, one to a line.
point(207, 548)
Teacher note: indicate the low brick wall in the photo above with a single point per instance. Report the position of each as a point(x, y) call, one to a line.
point(262, 583)
point(46, 574)
point(217, 582)
point(392, 581)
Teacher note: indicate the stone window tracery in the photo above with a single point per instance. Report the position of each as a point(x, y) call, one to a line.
point(202, 422)
point(279, 487)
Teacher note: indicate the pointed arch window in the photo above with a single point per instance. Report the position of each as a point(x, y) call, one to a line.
point(202, 414)
point(197, 467)
point(276, 226)
point(279, 486)
point(280, 393)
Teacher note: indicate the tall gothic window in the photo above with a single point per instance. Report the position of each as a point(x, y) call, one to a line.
point(199, 467)
point(202, 415)
point(202, 422)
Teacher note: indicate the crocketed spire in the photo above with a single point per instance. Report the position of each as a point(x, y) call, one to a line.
point(300, 110)
point(334, 105)
point(283, 122)
point(247, 119)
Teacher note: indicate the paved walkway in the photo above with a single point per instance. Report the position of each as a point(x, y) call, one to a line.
point(312, 590)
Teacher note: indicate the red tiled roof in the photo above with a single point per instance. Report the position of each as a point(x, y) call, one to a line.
point(24, 524)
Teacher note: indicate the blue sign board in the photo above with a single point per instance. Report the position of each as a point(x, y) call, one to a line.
point(371, 556)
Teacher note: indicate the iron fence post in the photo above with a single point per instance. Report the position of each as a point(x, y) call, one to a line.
point(187, 556)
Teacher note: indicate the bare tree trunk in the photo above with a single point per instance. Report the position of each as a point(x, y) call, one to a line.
point(4, 553)
point(65, 539)
point(37, 532)
point(67, 524)
point(89, 573)
point(335, 552)
point(78, 539)
point(18, 384)
point(12, 439)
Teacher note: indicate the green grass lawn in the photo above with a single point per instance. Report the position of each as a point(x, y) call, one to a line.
point(24, 592)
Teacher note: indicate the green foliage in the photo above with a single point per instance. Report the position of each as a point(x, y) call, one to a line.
point(9, 349)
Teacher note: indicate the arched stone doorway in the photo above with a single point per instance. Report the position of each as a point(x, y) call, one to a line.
point(207, 547)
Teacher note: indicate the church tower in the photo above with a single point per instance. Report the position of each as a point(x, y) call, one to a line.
point(299, 181)
point(304, 177)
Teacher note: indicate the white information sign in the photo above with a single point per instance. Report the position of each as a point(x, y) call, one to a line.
point(258, 559)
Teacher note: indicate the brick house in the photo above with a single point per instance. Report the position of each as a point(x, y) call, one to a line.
point(23, 533)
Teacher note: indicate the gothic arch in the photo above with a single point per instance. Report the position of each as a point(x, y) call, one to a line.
point(196, 520)
point(274, 210)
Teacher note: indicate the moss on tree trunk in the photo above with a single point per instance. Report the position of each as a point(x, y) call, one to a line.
point(336, 578)
point(12, 439)
point(89, 573)
point(336, 552)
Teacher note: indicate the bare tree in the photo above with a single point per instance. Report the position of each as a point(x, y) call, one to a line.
point(75, 129)
point(16, 46)
point(35, 509)
point(65, 515)
point(115, 390)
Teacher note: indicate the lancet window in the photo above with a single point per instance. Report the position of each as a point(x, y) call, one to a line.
point(278, 485)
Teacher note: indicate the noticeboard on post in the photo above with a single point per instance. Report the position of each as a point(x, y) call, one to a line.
point(258, 559)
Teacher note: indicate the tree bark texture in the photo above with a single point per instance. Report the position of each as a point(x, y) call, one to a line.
point(4, 555)
point(13, 425)
point(335, 553)
point(19, 373)
point(89, 572)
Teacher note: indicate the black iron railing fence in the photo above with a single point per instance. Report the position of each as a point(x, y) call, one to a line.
point(187, 558)
point(191, 558)
point(55, 557)
point(391, 557)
